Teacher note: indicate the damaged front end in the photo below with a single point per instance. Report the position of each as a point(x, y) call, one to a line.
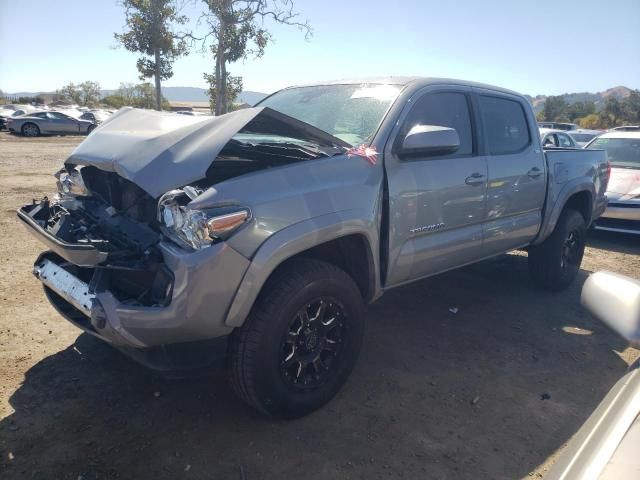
point(137, 252)
point(118, 272)
point(101, 236)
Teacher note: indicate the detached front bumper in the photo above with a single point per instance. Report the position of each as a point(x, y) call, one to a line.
point(86, 288)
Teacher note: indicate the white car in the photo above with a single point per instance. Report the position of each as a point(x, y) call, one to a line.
point(623, 151)
point(551, 138)
point(582, 136)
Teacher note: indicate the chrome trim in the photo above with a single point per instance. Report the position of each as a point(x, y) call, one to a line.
point(72, 289)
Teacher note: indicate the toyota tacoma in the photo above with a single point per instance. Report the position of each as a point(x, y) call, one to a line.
point(277, 224)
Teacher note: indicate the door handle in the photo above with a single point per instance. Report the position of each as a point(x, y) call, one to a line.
point(534, 172)
point(475, 179)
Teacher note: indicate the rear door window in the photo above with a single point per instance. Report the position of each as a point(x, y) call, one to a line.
point(505, 124)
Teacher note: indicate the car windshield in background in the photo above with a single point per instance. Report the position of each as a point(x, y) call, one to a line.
point(621, 152)
point(582, 137)
point(350, 112)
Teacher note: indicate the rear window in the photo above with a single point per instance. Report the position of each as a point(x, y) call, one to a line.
point(506, 125)
point(621, 152)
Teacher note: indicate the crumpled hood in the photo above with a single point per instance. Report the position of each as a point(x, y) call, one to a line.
point(624, 183)
point(160, 151)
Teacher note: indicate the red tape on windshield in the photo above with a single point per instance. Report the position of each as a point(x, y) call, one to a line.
point(369, 153)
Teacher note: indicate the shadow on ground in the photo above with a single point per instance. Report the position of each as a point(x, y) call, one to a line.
point(615, 242)
point(434, 395)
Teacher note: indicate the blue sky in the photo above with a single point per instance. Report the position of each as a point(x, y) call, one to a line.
point(533, 46)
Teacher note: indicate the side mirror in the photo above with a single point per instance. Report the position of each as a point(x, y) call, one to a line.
point(430, 140)
point(615, 300)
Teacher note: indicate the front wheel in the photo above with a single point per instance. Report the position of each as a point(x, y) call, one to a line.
point(30, 130)
point(300, 342)
point(555, 263)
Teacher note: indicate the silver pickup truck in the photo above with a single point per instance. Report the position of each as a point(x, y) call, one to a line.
point(277, 224)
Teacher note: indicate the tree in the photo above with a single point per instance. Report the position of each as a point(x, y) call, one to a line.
point(149, 32)
point(580, 109)
point(591, 121)
point(234, 88)
point(613, 110)
point(130, 95)
point(70, 93)
point(237, 30)
point(89, 93)
point(631, 107)
point(554, 108)
point(85, 93)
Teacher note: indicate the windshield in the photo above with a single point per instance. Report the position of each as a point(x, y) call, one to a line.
point(350, 112)
point(621, 152)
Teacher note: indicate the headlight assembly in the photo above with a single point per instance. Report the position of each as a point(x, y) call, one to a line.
point(71, 184)
point(194, 228)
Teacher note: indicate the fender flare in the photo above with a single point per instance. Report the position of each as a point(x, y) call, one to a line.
point(551, 216)
point(296, 239)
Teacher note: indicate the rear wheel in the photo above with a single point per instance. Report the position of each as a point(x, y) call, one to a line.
point(300, 342)
point(90, 129)
point(555, 263)
point(30, 130)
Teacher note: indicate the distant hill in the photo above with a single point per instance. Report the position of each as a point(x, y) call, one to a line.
point(598, 98)
point(194, 94)
point(174, 94)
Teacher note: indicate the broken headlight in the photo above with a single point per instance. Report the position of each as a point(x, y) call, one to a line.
point(71, 184)
point(194, 228)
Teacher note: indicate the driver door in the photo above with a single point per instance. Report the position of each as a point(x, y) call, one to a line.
point(62, 124)
point(436, 203)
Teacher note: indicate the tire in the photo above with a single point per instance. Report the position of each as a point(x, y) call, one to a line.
point(555, 263)
point(90, 129)
point(274, 355)
point(30, 130)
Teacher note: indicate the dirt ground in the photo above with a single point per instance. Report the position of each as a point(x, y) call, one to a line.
point(493, 391)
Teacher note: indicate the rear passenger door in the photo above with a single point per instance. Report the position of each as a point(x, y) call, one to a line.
point(516, 169)
point(436, 203)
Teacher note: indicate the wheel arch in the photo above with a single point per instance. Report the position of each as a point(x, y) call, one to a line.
point(345, 239)
point(578, 195)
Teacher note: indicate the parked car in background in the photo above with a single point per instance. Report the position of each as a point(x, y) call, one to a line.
point(277, 223)
point(6, 113)
point(558, 125)
point(623, 151)
point(95, 116)
point(48, 123)
point(625, 128)
point(556, 139)
point(582, 136)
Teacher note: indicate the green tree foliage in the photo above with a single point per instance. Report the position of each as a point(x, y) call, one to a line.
point(615, 112)
point(236, 28)
point(234, 88)
point(591, 121)
point(38, 100)
point(84, 94)
point(554, 108)
point(149, 32)
point(580, 109)
point(142, 95)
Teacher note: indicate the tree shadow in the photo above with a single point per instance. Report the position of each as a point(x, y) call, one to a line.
point(435, 394)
